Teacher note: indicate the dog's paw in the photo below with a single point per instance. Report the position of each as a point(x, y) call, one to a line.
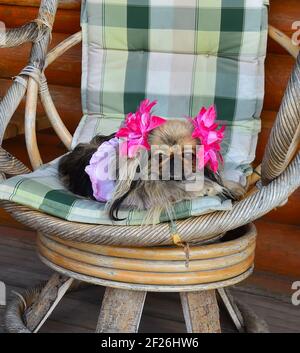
point(236, 190)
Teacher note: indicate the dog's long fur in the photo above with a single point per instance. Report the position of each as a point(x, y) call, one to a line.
point(151, 195)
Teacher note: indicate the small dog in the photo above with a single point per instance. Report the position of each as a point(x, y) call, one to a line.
point(156, 195)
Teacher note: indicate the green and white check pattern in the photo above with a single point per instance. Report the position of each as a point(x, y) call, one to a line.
point(184, 53)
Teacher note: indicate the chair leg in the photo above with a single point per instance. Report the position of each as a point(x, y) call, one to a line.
point(201, 311)
point(49, 297)
point(121, 311)
point(232, 309)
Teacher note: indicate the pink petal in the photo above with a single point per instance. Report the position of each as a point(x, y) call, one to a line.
point(212, 137)
point(123, 132)
point(210, 116)
point(201, 113)
point(145, 122)
point(146, 106)
point(137, 126)
point(213, 161)
point(155, 122)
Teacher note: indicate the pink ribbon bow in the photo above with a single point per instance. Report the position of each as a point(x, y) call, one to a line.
point(137, 128)
point(211, 138)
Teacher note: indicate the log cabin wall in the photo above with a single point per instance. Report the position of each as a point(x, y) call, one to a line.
point(279, 232)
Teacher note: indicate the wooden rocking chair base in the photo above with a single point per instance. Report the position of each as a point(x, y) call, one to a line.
point(196, 272)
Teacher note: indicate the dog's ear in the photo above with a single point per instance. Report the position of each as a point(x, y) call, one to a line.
point(216, 177)
point(116, 203)
point(99, 139)
point(126, 183)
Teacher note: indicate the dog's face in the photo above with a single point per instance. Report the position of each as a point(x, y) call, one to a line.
point(173, 150)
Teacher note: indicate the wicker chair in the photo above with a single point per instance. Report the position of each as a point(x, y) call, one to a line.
point(131, 260)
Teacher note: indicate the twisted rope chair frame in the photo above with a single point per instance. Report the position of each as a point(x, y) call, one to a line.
point(280, 176)
point(280, 168)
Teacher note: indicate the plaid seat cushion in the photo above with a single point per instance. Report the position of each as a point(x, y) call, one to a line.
point(42, 190)
point(186, 54)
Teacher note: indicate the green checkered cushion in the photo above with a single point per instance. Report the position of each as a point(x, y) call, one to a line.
point(42, 190)
point(185, 54)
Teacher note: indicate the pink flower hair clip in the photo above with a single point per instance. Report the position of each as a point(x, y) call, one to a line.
point(137, 128)
point(211, 138)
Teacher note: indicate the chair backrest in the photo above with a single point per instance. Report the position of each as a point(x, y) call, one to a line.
point(184, 53)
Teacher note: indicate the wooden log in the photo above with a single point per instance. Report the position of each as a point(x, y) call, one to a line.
point(121, 311)
point(49, 297)
point(267, 121)
point(66, 99)
point(285, 41)
point(67, 21)
point(201, 312)
point(288, 214)
point(65, 71)
point(62, 4)
point(278, 241)
point(16, 125)
point(49, 143)
point(282, 15)
point(274, 48)
point(278, 71)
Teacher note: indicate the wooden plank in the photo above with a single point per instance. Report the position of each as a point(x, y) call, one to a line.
point(66, 21)
point(281, 317)
point(269, 285)
point(201, 312)
point(2, 315)
point(46, 301)
point(63, 4)
point(121, 311)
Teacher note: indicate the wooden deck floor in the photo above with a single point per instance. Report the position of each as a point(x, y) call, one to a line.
point(268, 295)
